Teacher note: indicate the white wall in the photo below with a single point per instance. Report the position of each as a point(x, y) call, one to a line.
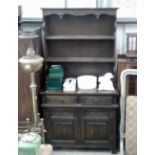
point(32, 9)
point(81, 3)
point(127, 8)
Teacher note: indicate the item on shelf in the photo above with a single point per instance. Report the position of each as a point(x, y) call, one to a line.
point(87, 82)
point(55, 75)
point(56, 69)
point(105, 82)
point(55, 78)
point(53, 85)
point(29, 144)
point(69, 84)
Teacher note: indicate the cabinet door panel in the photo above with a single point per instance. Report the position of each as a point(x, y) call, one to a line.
point(96, 127)
point(61, 126)
point(63, 129)
point(96, 131)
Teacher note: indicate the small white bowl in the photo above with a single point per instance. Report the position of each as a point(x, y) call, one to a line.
point(87, 82)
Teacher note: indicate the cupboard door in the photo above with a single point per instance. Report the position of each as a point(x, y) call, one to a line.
point(61, 125)
point(96, 128)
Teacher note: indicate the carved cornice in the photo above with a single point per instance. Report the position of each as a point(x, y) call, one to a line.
point(79, 12)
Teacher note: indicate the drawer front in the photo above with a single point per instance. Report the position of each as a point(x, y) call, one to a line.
point(96, 100)
point(60, 99)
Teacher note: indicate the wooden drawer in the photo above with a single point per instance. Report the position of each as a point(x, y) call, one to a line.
point(95, 99)
point(57, 99)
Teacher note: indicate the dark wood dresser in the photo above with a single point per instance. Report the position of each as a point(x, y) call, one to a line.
point(83, 42)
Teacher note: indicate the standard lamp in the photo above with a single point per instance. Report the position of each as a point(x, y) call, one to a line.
point(31, 63)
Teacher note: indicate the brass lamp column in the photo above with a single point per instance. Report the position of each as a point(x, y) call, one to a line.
point(32, 63)
point(34, 98)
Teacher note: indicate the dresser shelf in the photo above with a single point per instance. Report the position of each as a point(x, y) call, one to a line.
point(79, 92)
point(80, 59)
point(80, 37)
point(80, 106)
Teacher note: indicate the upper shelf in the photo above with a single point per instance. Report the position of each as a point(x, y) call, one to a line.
point(81, 59)
point(80, 37)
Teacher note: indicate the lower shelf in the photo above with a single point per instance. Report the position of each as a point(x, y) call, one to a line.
point(79, 92)
point(79, 106)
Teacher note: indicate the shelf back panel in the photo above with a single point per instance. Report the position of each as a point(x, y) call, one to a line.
point(80, 25)
point(77, 69)
point(80, 48)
